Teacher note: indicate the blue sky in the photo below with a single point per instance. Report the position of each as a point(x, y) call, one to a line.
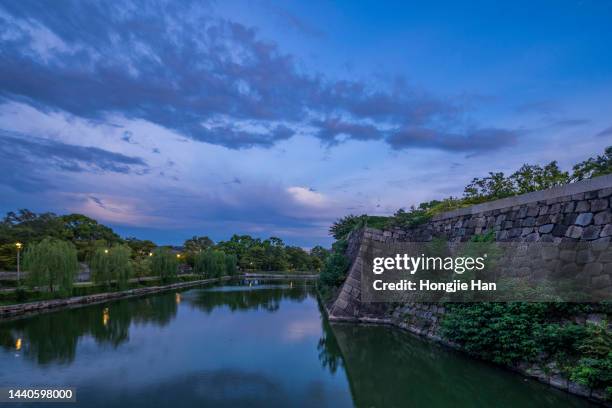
point(166, 120)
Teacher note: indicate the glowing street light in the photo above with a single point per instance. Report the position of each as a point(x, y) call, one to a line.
point(18, 245)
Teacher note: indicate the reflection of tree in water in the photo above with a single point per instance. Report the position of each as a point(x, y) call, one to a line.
point(266, 298)
point(330, 354)
point(53, 337)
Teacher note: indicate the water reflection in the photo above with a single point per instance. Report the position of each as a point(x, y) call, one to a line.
point(251, 343)
point(53, 337)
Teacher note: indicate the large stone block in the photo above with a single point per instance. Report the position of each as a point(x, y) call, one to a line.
point(574, 232)
point(584, 219)
point(599, 205)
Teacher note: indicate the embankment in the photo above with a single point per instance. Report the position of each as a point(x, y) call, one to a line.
point(573, 213)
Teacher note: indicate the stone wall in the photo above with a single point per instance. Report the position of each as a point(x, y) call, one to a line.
point(579, 212)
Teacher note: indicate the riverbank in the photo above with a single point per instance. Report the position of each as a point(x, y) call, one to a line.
point(25, 309)
point(19, 310)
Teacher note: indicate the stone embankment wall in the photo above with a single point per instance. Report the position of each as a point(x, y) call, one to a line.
point(23, 309)
point(573, 213)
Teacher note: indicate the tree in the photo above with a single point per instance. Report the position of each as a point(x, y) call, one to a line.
point(87, 234)
point(231, 263)
point(594, 167)
point(51, 263)
point(164, 264)
point(298, 259)
point(534, 178)
point(495, 186)
point(112, 264)
point(210, 263)
point(140, 248)
point(318, 255)
point(195, 245)
point(336, 266)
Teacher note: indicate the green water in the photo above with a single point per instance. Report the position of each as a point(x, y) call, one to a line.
point(238, 345)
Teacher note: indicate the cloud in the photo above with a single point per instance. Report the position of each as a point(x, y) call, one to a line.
point(605, 132)
point(24, 159)
point(178, 66)
point(330, 129)
point(476, 140)
point(307, 197)
point(571, 122)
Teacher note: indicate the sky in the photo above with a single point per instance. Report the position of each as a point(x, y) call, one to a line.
point(171, 119)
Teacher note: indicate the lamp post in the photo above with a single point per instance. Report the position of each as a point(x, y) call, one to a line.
point(18, 245)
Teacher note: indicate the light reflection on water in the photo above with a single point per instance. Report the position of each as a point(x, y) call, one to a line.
point(239, 345)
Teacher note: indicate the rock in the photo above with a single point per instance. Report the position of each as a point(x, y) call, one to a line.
point(591, 232)
point(578, 389)
point(604, 217)
point(583, 206)
point(606, 231)
point(599, 205)
point(584, 219)
point(546, 228)
point(605, 192)
point(558, 381)
point(574, 232)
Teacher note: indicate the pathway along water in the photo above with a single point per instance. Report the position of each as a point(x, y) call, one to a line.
point(247, 344)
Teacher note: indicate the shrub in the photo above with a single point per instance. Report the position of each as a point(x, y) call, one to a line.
point(336, 266)
point(51, 263)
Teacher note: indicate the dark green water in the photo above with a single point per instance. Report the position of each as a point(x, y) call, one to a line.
point(239, 345)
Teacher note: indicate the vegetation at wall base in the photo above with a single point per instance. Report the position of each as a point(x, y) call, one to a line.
point(334, 272)
point(511, 333)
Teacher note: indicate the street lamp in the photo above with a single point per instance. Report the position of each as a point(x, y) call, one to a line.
point(18, 245)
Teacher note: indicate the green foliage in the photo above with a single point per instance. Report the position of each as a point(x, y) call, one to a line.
point(341, 228)
point(496, 185)
point(507, 333)
point(27, 227)
point(51, 263)
point(336, 267)
point(214, 264)
point(318, 255)
point(195, 245)
point(594, 368)
point(270, 254)
point(141, 249)
point(112, 265)
point(141, 267)
point(231, 264)
point(164, 264)
point(594, 167)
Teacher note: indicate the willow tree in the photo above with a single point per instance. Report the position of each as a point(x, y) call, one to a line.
point(111, 264)
point(53, 264)
point(211, 263)
point(231, 264)
point(164, 264)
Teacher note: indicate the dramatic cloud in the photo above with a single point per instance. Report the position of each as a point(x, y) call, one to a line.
point(25, 156)
point(178, 66)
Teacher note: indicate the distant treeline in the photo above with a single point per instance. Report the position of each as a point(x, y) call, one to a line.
point(91, 239)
